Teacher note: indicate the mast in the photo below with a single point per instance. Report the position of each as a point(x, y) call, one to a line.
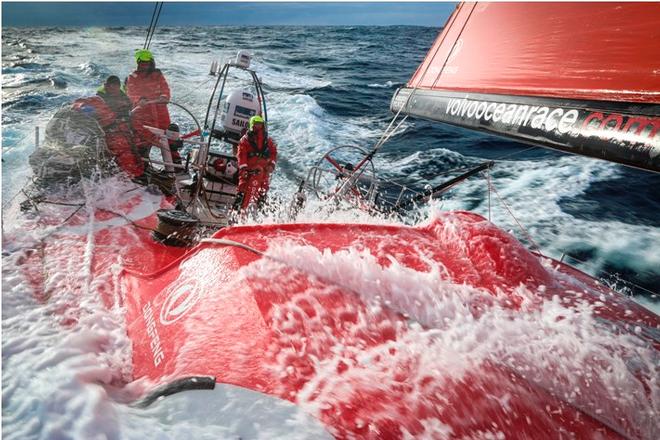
point(578, 77)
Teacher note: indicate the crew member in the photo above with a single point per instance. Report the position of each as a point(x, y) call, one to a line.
point(110, 108)
point(115, 98)
point(144, 86)
point(257, 154)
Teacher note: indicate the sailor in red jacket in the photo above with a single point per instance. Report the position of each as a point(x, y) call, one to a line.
point(257, 154)
point(146, 84)
point(110, 108)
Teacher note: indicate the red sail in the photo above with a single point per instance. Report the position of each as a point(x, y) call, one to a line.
point(580, 77)
point(592, 51)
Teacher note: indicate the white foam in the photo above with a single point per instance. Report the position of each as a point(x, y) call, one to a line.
point(387, 85)
point(282, 77)
point(224, 412)
point(533, 191)
point(55, 376)
point(566, 350)
point(303, 127)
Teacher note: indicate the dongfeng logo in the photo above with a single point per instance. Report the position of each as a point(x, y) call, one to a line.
point(179, 299)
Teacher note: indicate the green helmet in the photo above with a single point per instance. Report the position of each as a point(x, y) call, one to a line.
point(256, 120)
point(143, 55)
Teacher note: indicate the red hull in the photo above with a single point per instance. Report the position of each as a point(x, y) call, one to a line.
point(329, 321)
point(298, 330)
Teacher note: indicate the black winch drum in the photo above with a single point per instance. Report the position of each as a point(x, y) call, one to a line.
point(175, 228)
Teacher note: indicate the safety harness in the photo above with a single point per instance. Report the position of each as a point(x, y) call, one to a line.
point(263, 152)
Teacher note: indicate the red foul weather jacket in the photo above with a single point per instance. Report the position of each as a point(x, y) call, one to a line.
point(256, 162)
point(96, 107)
point(117, 132)
point(149, 85)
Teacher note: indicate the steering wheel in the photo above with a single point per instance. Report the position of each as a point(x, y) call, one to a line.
point(195, 132)
point(346, 172)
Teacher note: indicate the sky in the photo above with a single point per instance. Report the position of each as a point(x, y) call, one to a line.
point(230, 13)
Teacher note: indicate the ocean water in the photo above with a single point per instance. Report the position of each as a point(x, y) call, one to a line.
point(326, 87)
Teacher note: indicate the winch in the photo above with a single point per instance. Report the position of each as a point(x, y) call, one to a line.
point(175, 228)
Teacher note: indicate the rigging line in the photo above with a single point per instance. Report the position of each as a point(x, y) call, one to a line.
point(128, 219)
point(151, 23)
point(153, 14)
point(73, 213)
point(453, 19)
point(66, 220)
point(380, 141)
point(614, 275)
point(428, 65)
point(152, 28)
point(205, 199)
point(360, 168)
point(154, 22)
point(487, 172)
point(133, 189)
point(413, 90)
point(516, 152)
point(160, 8)
point(390, 134)
point(20, 191)
point(56, 228)
point(491, 186)
point(467, 20)
point(385, 136)
point(49, 202)
point(195, 89)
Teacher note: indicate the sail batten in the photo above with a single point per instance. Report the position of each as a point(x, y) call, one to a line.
point(579, 77)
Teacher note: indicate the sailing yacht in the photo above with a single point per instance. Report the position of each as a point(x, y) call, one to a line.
point(448, 329)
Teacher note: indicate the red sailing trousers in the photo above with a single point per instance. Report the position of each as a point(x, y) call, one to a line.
point(118, 141)
point(118, 135)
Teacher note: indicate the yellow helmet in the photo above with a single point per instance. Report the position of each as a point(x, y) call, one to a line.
point(256, 120)
point(143, 55)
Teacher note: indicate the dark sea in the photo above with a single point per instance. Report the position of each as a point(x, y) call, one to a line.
point(326, 87)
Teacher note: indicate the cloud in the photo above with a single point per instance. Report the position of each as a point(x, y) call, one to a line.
point(178, 14)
